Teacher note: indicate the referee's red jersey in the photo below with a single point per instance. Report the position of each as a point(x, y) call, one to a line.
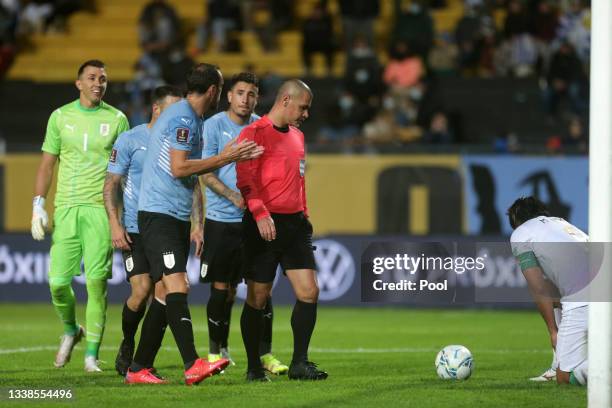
point(274, 182)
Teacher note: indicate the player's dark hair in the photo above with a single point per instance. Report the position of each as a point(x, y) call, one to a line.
point(524, 209)
point(248, 77)
point(91, 63)
point(201, 77)
point(161, 92)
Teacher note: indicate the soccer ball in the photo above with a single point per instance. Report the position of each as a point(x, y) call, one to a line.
point(454, 363)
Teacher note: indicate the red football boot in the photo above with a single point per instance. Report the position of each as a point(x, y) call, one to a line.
point(144, 376)
point(202, 369)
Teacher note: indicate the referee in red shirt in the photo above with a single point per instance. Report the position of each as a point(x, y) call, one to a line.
point(276, 228)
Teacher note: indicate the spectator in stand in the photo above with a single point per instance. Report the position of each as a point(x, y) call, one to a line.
point(176, 66)
point(414, 25)
point(468, 34)
point(318, 36)
point(159, 29)
point(543, 26)
point(62, 9)
point(345, 117)
point(517, 20)
point(404, 69)
point(576, 139)
point(394, 123)
point(223, 17)
point(566, 78)
point(575, 28)
point(363, 72)
point(358, 19)
point(267, 18)
point(439, 131)
point(544, 22)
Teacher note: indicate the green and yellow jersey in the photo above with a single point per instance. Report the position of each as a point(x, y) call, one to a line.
point(82, 139)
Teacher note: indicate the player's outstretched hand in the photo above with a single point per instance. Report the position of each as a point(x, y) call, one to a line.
point(40, 219)
point(239, 151)
point(120, 238)
point(197, 237)
point(267, 230)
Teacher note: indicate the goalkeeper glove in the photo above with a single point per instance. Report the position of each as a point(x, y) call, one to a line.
point(40, 219)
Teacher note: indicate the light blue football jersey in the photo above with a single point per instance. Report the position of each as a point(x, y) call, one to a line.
point(218, 130)
point(179, 128)
point(127, 158)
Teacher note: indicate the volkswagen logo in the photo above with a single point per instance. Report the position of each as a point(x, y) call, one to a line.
point(335, 269)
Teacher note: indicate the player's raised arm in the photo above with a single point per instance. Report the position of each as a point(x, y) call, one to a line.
point(182, 166)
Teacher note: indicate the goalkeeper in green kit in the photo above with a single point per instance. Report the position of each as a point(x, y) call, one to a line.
point(80, 135)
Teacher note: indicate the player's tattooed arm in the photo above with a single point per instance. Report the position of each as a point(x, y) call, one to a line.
point(211, 181)
point(119, 236)
point(197, 212)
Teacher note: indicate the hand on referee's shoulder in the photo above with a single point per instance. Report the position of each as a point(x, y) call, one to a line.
point(239, 151)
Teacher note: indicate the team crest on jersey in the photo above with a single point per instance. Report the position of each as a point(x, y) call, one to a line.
point(129, 264)
point(113, 156)
point(169, 260)
point(204, 270)
point(104, 129)
point(302, 167)
point(182, 135)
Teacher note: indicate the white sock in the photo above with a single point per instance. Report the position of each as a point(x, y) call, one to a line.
point(581, 373)
point(555, 363)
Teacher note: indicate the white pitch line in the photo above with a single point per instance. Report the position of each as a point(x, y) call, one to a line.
point(358, 350)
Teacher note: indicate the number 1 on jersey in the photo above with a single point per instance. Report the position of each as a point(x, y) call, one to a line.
point(84, 142)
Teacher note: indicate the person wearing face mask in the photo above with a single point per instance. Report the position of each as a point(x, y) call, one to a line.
point(80, 135)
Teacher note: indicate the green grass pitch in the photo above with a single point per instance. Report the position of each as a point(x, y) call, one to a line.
point(375, 357)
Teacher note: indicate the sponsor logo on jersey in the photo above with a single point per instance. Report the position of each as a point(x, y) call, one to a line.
point(104, 129)
point(182, 135)
point(113, 156)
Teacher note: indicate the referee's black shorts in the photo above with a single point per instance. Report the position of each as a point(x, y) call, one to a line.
point(166, 243)
point(222, 255)
point(292, 247)
point(135, 260)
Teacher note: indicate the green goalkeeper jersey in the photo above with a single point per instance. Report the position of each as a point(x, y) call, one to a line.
point(82, 139)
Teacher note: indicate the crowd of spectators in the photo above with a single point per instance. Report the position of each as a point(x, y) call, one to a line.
point(388, 89)
point(21, 18)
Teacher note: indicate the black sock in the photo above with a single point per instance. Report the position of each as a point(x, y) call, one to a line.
point(303, 321)
point(265, 345)
point(179, 320)
point(151, 336)
point(215, 311)
point(227, 315)
point(130, 320)
point(250, 325)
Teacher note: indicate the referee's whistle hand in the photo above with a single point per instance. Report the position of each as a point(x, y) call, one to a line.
point(266, 228)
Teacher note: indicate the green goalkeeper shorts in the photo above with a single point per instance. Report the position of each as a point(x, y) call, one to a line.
point(80, 233)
